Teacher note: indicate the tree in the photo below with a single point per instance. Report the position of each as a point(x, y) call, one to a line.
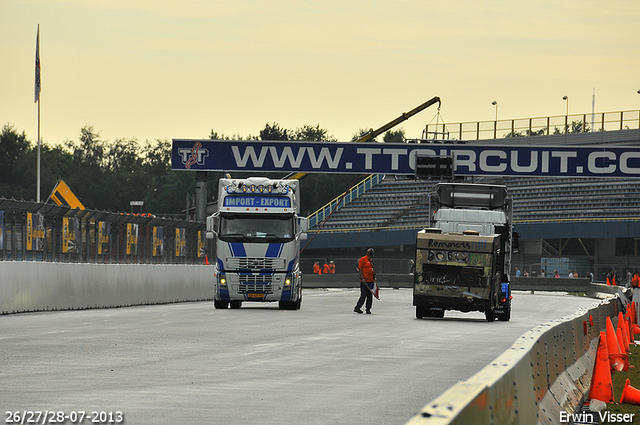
point(91, 149)
point(12, 147)
point(312, 134)
point(394, 136)
point(274, 132)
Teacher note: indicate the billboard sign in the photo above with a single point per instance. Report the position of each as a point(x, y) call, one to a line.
point(400, 158)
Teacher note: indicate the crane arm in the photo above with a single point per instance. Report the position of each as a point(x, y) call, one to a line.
point(374, 133)
point(405, 116)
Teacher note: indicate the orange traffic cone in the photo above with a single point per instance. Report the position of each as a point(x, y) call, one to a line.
point(621, 341)
point(601, 384)
point(612, 342)
point(627, 332)
point(617, 359)
point(630, 395)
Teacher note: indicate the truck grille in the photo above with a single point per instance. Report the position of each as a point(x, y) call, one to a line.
point(255, 263)
point(255, 279)
point(267, 289)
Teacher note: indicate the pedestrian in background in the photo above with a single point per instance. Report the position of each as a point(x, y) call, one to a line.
point(635, 280)
point(367, 282)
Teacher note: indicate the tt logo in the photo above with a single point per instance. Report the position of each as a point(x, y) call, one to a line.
point(195, 155)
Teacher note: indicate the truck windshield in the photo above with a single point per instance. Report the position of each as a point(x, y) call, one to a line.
point(256, 228)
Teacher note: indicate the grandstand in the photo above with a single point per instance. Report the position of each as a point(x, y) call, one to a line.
point(557, 199)
point(402, 203)
point(392, 203)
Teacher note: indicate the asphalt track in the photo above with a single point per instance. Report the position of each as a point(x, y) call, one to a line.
point(190, 364)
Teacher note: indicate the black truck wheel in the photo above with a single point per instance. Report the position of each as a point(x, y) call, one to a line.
point(490, 315)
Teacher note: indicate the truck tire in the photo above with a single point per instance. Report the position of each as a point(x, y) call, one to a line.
point(235, 304)
point(420, 312)
point(220, 304)
point(288, 305)
point(505, 317)
point(490, 315)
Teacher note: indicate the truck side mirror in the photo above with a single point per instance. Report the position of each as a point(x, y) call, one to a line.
point(211, 227)
point(515, 242)
point(303, 224)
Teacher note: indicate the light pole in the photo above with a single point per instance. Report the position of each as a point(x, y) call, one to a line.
point(566, 116)
point(495, 123)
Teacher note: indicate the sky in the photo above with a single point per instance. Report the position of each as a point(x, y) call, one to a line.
point(164, 69)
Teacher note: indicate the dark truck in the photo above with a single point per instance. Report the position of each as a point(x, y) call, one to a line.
point(463, 258)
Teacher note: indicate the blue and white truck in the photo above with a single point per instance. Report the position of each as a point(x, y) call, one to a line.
point(257, 231)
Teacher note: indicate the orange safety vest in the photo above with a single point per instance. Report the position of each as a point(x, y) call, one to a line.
point(635, 281)
point(316, 269)
point(332, 269)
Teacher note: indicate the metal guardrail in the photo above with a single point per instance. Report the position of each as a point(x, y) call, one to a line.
point(319, 216)
point(32, 231)
point(538, 126)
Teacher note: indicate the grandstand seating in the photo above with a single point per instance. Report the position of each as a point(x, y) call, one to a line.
point(554, 198)
point(403, 203)
point(390, 203)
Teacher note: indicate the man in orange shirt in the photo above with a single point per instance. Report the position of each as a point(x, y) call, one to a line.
point(367, 282)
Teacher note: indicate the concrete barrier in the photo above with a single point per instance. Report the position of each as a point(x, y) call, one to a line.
point(563, 284)
point(546, 372)
point(38, 286)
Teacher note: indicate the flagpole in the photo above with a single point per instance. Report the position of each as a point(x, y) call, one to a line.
point(38, 178)
point(37, 99)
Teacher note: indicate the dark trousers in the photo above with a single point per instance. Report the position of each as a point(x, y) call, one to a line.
point(365, 295)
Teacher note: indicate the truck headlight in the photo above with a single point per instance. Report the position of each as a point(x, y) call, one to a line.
point(223, 280)
point(287, 281)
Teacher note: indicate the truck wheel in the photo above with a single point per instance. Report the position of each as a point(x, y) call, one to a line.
point(220, 304)
point(235, 304)
point(420, 312)
point(505, 317)
point(287, 305)
point(490, 315)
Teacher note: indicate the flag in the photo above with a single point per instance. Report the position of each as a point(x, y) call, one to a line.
point(373, 287)
point(36, 96)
